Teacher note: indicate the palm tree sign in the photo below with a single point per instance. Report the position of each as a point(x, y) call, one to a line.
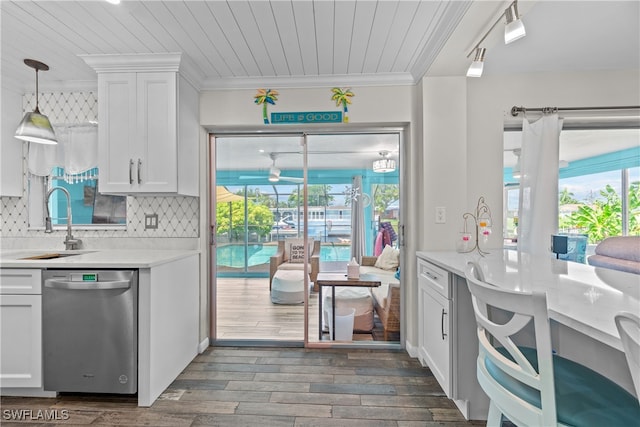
point(264, 97)
point(342, 97)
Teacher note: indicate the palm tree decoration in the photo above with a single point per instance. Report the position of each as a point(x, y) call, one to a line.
point(264, 97)
point(342, 97)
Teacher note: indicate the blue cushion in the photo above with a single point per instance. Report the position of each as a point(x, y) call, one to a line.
point(583, 397)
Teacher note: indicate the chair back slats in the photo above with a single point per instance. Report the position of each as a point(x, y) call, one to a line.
point(498, 350)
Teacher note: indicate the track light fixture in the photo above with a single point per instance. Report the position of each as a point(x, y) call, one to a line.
point(513, 31)
point(475, 69)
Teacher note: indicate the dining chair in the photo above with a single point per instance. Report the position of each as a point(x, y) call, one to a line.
point(628, 325)
point(532, 386)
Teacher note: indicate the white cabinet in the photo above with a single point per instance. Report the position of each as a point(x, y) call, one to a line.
point(448, 343)
point(436, 316)
point(20, 328)
point(148, 125)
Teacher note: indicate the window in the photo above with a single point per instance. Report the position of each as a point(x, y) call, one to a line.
point(598, 185)
point(88, 206)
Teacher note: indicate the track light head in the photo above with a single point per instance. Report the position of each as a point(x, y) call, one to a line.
point(514, 29)
point(476, 67)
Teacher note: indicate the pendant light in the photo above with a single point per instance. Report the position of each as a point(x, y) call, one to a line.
point(36, 127)
point(385, 164)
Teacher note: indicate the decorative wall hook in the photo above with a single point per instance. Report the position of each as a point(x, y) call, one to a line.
point(482, 222)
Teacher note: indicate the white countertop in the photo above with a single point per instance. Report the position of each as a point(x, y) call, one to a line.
point(110, 258)
point(580, 296)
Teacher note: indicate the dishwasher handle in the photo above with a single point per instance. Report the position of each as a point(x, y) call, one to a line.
point(86, 286)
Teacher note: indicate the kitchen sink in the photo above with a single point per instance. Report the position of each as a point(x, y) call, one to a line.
point(56, 255)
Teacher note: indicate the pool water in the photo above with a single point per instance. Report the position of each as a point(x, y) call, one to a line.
point(233, 255)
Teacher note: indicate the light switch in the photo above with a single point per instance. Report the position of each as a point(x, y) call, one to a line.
point(441, 215)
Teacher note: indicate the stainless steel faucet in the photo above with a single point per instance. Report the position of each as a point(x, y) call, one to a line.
point(69, 242)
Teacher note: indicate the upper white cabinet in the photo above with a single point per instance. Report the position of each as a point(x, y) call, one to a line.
point(148, 125)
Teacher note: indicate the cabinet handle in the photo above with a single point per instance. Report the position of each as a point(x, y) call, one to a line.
point(430, 275)
point(139, 171)
point(442, 324)
point(130, 171)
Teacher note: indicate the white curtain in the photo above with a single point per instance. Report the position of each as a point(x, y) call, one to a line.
point(539, 184)
point(357, 220)
point(76, 151)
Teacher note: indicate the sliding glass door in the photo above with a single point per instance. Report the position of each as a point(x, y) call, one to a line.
point(259, 222)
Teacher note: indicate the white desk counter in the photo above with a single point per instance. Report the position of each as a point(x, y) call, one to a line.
point(582, 302)
point(580, 296)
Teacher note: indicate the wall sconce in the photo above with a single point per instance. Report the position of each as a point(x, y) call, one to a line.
point(385, 164)
point(35, 126)
point(513, 31)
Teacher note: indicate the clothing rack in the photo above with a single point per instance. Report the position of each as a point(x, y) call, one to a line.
point(515, 110)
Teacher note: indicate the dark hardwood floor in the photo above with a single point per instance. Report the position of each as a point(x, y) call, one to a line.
point(249, 386)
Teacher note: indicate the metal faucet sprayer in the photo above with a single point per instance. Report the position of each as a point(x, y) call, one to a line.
point(69, 242)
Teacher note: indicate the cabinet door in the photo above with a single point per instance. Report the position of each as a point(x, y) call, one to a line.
point(436, 336)
point(156, 161)
point(117, 130)
point(21, 335)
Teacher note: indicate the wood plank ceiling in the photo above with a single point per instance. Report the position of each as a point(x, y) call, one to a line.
point(235, 43)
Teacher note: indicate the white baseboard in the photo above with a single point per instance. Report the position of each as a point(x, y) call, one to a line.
point(204, 344)
point(412, 350)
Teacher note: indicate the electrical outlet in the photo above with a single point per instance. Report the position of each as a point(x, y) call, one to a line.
point(441, 215)
point(150, 221)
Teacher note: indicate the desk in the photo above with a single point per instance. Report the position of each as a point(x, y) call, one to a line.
point(582, 302)
point(340, 279)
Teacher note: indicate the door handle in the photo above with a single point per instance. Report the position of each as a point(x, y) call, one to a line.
point(86, 286)
point(130, 171)
point(442, 324)
point(139, 171)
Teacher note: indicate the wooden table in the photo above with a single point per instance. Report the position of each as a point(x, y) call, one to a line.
point(340, 279)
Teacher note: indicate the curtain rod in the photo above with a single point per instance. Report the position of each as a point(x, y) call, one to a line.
point(517, 110)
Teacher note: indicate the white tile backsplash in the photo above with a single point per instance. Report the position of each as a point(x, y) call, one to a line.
point(178, 216)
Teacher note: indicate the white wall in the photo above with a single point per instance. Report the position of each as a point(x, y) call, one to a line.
point(374, 105)
point(11, 183)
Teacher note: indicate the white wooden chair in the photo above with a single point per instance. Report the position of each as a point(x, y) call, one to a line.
point(532, 386)
point(628, 325)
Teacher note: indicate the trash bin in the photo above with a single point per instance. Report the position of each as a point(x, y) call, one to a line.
point(344, 323)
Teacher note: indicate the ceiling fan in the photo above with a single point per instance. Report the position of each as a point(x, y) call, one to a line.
point(274, 173)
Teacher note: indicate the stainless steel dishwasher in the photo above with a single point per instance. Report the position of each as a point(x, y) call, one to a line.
point(90, 331)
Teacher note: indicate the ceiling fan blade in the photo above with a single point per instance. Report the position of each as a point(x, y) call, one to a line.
point(292, 179)
point(252, 177)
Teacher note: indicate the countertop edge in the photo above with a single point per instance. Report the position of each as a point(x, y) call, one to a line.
point(109, 258)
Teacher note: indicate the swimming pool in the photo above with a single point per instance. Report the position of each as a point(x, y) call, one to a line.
point(233, 255)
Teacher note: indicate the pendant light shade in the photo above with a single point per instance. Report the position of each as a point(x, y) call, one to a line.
point(35, 126)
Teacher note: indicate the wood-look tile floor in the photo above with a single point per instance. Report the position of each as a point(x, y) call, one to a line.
point(245, 312)
point(249, 386)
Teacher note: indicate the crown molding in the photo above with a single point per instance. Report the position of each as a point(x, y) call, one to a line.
point(388, 79)
point(114, 63)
